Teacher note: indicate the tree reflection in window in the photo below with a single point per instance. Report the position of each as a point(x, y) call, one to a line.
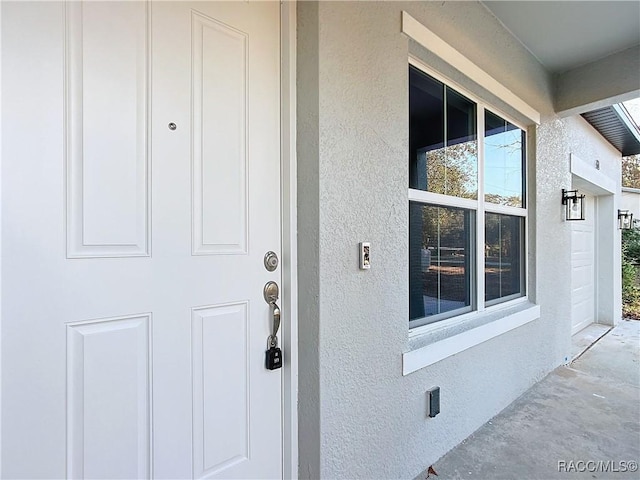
point(442, 137)
point(440, 248)
point(503, 256)
point(452, 170)
point(504, 162)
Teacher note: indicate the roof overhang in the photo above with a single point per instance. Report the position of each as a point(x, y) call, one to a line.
point(617, 127)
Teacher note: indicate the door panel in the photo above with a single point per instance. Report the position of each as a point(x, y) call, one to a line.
point(107, 93)
point(134, 328)
point(220, 404)
point(215, 203)
point(109, 387)
point(219, 136)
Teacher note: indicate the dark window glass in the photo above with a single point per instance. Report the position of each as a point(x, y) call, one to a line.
point(441, 260)
point(426, 124)
point(443, 143)
point(504, 153)
point(503, 256)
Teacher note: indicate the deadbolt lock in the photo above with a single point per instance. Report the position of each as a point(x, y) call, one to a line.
point(271, 261)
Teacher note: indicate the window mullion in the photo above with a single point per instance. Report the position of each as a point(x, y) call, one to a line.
point(444, 140)
point(439, 263)
point(500, 255)
point(480, 220)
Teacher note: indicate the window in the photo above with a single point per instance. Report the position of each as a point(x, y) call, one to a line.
point(443, 139)
point(503, 272)
point(504, 161)
point(442, 268)
point(466, 203)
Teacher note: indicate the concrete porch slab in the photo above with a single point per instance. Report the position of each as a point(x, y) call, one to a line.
point(586, 412)
point(586, 337)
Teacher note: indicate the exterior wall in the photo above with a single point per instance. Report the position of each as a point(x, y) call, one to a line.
point(359, 417)
point(587, 144)
point(631, 201)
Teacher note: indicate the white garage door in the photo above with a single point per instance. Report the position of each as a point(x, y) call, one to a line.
point(583, 276)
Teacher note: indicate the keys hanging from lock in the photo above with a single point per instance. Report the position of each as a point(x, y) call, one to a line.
point(274, 354)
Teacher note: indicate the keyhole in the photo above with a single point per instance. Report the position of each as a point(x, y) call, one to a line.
point(172, 126)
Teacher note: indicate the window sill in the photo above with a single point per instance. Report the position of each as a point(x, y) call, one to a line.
point(429, 346)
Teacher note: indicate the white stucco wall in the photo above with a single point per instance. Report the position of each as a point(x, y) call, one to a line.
point(359, 416)
point(631, 201)
point(603, 180)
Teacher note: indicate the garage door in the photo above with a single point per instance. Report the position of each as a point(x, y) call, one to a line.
point(583, 276)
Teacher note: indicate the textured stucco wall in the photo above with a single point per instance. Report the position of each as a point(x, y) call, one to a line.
point(631, 201)
point(589, 146)
point(556, 139)
point(359, 417)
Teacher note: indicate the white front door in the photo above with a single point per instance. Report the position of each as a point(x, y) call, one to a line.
point(583, 263)
point(140, 193)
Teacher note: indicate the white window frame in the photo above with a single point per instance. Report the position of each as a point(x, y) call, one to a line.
point(417, 326)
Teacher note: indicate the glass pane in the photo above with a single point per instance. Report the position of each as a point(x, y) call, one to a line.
point(426, 124)
point(442, 144)
point(504, 150)
point(504, 252)
point(461, 151)
point(440, 260)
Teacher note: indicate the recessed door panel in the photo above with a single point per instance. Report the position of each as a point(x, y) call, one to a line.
point(107, 65)
point(109, 393)
point(220, 387)
point(220, 90)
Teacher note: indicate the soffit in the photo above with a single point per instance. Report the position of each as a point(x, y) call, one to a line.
point(563, 35)
point(615, 125)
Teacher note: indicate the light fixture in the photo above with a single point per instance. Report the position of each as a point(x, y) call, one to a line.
point(574, 204)
point(625, 220)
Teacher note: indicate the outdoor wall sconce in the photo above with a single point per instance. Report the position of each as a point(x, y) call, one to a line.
point(625, 220)
point(574, 204)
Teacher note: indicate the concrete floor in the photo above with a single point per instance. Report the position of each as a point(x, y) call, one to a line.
point(586, 412)
point(582, 340)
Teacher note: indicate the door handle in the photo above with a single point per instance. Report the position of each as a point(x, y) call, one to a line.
point(271, 294)
point(275, 314)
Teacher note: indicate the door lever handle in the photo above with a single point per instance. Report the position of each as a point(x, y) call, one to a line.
point(275, 314)
point(271, 293)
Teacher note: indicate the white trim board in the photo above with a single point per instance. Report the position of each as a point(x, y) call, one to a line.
point(437, 351)
point(1, 134)
point(588, 172)
point(432, 42)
